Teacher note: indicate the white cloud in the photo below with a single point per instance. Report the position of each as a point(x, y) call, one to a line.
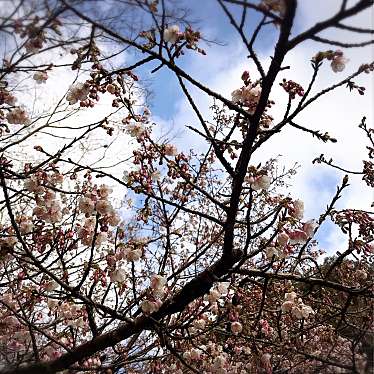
point(56, 130)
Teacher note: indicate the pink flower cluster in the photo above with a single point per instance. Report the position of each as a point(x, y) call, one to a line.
point(337, 58)
point(6, 97)
point(158, 290)
point(48, 207)
point(77, 92)
point(18, 116)
point(248, 96)
point(261, 182)
point(291, 236)
point(92, 203)
point(296, 306)
point(40, 77)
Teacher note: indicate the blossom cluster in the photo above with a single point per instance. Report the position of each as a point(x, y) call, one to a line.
point(48, 207)
point(7, 97)
point(95, 202)
point(277, 6)
point(18, 116)
point(173, 35)
point(40, 77)
point(260, 182)
point(292, 88)
point(337, 58)
point(247, 96)
point(296, 306)
point(292, 235)
point(158, 290)
point(77, 92)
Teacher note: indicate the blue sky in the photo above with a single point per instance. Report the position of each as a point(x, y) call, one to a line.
point(215, 26)
point(221, 69)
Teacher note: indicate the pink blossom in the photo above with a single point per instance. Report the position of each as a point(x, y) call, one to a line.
point(213, 296)
point(287, 306)
point(51, 285)
point(114, 219)
point(219, 362)
point(33, 45)
point(104, 207)
point(296, 312)
point(18, 116)
point(170, 150)
point(54, 213)
point(361, 274)
point(135, 129)
point(298, 209)
point(298, 237)
point(133, 254)
point(101, 238)
point(157, 282)
point(223, 287)
point(248, 96)
point(309, 227)
point(86, 205)
point(149, 307)
point(265, 358)
point(306, 310)
point(7, 97)
point(261, 182)
point(236, 328)
point(236, 96)
point(290, 296)
point(265, 328)
point(338, 63)
point(155, 176)
point(31, 184)
point(105, 191)
point(199, 324)
point(195, 354)
point(26, 226)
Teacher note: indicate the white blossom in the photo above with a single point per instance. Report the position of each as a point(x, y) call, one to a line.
point(338, 63)
point(171, 34)
point(118, 275)
point(135, 129)
point(77, 92)
point(298, 211)
point(261, 182)
point(149, 307)
point(40, 77)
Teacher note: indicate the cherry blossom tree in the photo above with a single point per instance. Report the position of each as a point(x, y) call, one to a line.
point(158, 259)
